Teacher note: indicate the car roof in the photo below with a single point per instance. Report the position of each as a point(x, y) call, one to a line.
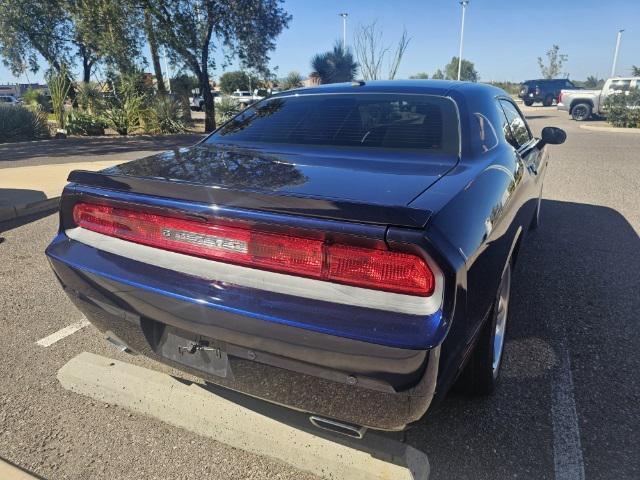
point(427, 87)
point(548, 80)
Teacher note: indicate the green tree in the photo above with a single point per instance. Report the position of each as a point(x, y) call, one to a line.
point(635, 71)
point(334, 66)
point(193, 30)
point(108, 31)
point(231, 81)
point(183, 85)
point(292, 80)
point(29, 28)
point(467, 72)
point(439, 75)
point(420, 76)
point(555, 61)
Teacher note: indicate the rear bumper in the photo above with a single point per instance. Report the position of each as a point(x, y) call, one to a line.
point(365, 383)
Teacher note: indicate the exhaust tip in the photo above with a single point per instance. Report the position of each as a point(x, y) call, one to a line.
point(353, 431)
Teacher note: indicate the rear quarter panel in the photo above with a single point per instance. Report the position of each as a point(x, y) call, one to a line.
point(483, 209)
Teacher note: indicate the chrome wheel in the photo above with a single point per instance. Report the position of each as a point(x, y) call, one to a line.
point(502, 310)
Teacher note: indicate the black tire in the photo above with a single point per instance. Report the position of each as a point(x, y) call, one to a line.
point(479, 377)
point(528, 103)
point(548, 101)
point(581, 112)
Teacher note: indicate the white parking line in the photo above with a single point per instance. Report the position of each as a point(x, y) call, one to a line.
point(567, 449)
point(60, 334)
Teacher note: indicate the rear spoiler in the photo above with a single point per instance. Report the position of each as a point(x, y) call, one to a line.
point(327, 208)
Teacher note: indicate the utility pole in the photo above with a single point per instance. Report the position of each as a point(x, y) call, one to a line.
point(344, 30)
point(464, 4)
point(615, 54)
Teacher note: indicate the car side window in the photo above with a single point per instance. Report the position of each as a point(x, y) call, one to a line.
point(620, 86)
point(517, 125)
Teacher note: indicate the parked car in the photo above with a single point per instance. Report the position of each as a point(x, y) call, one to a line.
point(583, 104)
point(345, 250)
point(543, 91)
point(244, 97)
point(9, 100)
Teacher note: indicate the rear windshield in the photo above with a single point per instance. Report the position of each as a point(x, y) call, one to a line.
point(385, 121)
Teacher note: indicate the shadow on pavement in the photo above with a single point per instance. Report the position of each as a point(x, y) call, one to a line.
point(93, 146)
point(579, 274)
point(32, 205)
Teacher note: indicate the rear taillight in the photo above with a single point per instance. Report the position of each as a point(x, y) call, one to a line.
point(361, 267)
point(559, 99)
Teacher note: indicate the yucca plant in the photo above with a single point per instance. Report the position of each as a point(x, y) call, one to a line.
point(165, 115)
point(59, 86)
point(21, 124)
point(125, 106)
point(90, 98)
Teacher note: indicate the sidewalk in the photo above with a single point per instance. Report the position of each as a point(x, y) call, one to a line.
point(34, 189)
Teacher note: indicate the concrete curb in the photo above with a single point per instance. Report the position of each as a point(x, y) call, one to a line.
point(167, 399)
point(13, 212)
point(9, 471)
point(596, 128)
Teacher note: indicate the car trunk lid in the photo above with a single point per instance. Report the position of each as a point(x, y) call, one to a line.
point(341, 184)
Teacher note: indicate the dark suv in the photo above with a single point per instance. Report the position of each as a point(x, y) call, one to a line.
point(545, 91)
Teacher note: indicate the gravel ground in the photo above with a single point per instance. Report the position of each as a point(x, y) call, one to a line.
point(575, 300)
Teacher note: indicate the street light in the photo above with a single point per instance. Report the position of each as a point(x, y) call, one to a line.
point(615, 54)
point(464, 4)
point(344, 29)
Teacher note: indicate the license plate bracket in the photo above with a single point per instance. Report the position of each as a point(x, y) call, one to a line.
point(195, 351)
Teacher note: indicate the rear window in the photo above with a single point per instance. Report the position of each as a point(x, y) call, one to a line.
point(386, 121)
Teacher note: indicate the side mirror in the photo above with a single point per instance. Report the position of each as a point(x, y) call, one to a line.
point(552, 136)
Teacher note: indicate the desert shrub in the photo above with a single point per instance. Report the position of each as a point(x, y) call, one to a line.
point(21, 124)
point(623, 110)
point(37, 99)
point(165, 115)
point(226, 109)
point(84, 123)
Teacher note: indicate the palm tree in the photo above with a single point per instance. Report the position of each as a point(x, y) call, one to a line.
point(591, 82)
point(635, 71)
point(335, 66)
point(292, 80)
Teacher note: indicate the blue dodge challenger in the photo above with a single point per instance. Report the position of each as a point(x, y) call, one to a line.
point(345, 250)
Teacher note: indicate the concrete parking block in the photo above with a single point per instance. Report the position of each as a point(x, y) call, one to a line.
point(11, 472)
point(166, 398)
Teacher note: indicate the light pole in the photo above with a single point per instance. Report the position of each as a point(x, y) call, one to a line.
point(615, 54)
point(344, 29)
point(464, 4)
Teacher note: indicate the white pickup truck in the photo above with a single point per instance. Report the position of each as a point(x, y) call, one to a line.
point(582, 104)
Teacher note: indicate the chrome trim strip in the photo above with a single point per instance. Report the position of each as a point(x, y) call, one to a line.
point(264, 280)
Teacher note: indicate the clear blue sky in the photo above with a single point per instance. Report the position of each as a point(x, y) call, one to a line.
point(502, 37)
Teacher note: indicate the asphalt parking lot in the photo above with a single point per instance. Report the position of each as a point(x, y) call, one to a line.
point(566, 408)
